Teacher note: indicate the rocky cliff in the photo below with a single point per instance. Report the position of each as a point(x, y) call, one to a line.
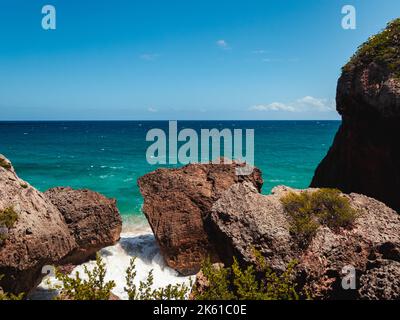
point(177, 204)
point(244, 220)
point(38, 229)
point(206, 210)
point(365, 155)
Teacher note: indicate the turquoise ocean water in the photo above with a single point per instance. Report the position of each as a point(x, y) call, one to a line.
point(108, 157)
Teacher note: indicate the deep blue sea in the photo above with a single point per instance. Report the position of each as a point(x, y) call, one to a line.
point(108, 157)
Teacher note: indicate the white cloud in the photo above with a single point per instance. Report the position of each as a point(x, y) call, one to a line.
point(275, 106)
point(149, 56)
point(223, 44)
point(319, 104)
point(305, 104)
point(151, 109)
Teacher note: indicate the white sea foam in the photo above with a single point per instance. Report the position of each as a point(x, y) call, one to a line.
point(106, 176)
point(138, 241)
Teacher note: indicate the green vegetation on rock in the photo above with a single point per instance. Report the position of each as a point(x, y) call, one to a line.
point(383, 48)
point(8, 217)
point(247, 283)
point(308, 210)
point(255, 282)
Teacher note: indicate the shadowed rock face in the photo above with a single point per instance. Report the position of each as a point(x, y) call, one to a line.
point(244, 220)
point(177, 204)
point(365, 155)
point(43, 235)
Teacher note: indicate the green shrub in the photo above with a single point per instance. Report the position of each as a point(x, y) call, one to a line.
point(219, 283)
point(93, 288)
point(8, 217)
point(250, 283)
point(145, 291)
point(333, 209)
point(382, 48)
point(303, 223)
point(6, 165)
point(9, 296)
point(234, 283)
point(309, 210)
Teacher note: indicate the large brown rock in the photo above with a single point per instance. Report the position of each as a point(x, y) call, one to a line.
point(39, 237)
point(245, 220)
point(93, 220)
point(177, 204)
point(365, 154)
point(69, 231)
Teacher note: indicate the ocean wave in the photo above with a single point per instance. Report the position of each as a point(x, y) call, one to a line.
point(136, 241)
point(106, 176)
point(113, 167)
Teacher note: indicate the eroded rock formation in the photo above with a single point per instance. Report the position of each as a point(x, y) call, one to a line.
point(245, 220)
point(365, 155)
point(93, 219)
point(177, 204)
point(42, 235)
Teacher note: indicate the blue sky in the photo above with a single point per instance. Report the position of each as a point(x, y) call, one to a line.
point(171, 59)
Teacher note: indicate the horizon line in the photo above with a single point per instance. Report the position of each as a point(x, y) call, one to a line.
point(194, 120)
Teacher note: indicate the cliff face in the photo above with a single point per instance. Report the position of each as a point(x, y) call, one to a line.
point(365, 155)
point(36, 229)
point(177, 204)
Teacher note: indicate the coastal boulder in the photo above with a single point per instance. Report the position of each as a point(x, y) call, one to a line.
point(244, 220)
point(34, 234)
point(177, 204)
point(93, 220)
point(63, 226)
point(365, 154)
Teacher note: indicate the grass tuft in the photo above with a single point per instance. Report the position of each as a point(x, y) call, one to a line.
point(309, 210)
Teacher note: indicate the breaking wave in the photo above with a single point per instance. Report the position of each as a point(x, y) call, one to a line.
point(138, 241)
